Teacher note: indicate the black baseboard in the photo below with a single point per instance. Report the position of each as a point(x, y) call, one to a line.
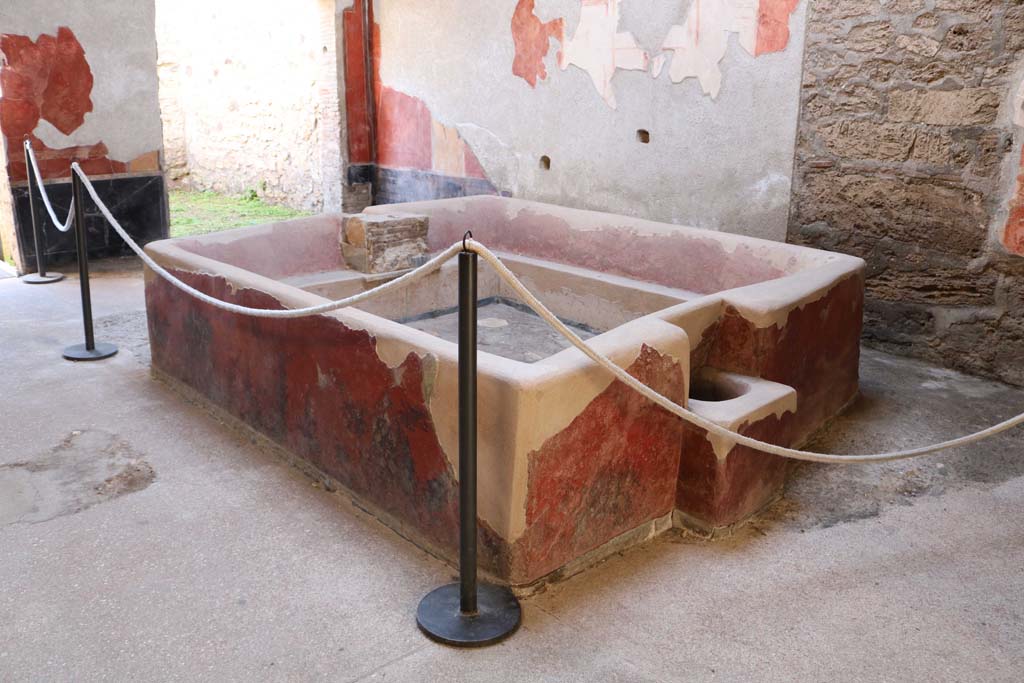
point(138, 202)
point(397, 185)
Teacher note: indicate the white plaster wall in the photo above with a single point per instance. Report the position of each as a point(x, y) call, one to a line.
point(120, 45)
point(246, 90)
point(722, 163)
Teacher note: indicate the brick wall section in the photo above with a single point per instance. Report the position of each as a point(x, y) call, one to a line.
point(904, 152)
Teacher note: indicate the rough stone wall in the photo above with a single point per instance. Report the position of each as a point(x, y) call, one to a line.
point(905, 156)
point(249, 98)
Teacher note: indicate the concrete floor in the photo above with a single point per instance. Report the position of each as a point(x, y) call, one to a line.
point(143, 540)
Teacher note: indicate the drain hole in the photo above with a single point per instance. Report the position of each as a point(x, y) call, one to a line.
point(704, 389)
point(643, 136)
point(545, 162)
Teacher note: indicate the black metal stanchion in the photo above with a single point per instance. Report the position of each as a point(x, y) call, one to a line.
point(40, 277)
point(468, 614)
point(90, 350)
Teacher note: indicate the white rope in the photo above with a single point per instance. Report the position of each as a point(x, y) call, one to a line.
point(695, 419)
point(398, 283)
point(66, 225)
point(550, 318)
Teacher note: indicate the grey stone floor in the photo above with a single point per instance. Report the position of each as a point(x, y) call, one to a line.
point(143, 540)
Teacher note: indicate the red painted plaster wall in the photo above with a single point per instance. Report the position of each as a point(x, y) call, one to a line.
point(817, 352)
point(49, 79)
point(356, 106)
point(404, 124)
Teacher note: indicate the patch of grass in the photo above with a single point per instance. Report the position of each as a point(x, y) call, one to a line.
point(198, 213)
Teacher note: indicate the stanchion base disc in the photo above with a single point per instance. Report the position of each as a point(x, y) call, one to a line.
point(439, 617)
point(37, 279)
point(79, 352)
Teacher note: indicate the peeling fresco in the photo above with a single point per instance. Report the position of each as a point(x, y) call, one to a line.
point(707, 266)
point(599, 47)
point(372, 407)
point(531, 37)
point(408, 137)
point(718, 492)
point(575, 504)
point(694, 48)
point(49, 80)
point(320, 389)
point(816, 351)
point(1013, 235)
point(285, 376)
point(698, 45)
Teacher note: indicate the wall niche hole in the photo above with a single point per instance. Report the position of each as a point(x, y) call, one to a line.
point(643, 136)
point(545, 162)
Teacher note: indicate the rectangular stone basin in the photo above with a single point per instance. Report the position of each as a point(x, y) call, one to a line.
point(759, 336)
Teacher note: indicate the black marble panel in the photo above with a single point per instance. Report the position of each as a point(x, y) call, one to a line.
point(139, 203)
point(392, 186)
point(396, 185)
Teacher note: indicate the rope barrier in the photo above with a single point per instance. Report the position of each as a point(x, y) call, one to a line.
point(66, 225)
point(534, 303)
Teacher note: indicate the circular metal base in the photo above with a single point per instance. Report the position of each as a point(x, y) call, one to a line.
point(37, 279)
point(498, 616)
point(79, 352)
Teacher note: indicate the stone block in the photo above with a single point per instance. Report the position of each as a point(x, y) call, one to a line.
point(918, 44)
point(905, 6)
point(383, 243)
point(967, 107)
point(874, 36)
point(357, 197)
point(949, 218)
point(939, 148)
point(862, 139)
point(969, 37)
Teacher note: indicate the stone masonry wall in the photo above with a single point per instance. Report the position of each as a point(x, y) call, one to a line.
point(907, 156)
point(249, 98)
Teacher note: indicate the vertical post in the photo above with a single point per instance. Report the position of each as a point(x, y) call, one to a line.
point(40, 277)
point(468, 614)
point(371, 105)
point(90, 350)
point(467, 430)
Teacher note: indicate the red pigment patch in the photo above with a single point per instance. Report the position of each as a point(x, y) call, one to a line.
point(531, 38)
point(48, 79)
point(721, 493)
point(317, 388)
point(1013, 236)
point(816, 351)
point(773, 25)
point(612, 469)
point(474, 169)
point(356, 106)
point(56, 163)
point(404, 124)
point(404, 131)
